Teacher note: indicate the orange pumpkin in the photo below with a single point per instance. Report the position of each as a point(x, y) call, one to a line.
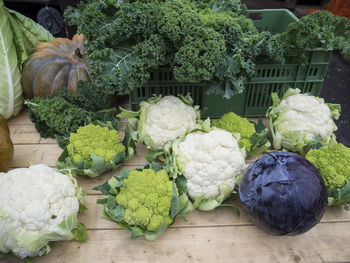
point(6, 146)
point(55, 65)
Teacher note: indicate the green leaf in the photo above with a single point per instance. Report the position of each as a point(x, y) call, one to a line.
point(232, 206)
point(339, 196)
point(316, 144)
point(181, 184)
point(150, 236)
point(174, 206)
point(275, 99)
point(136, 232)
point(156, 166)
point(152, 155)
point(128, 114)
point(103, 188)
point(62, 141)
point(11, 99)
point(129, 143)
point(335, 110)
point(27, 34)
point(114, 211)
point(80, 233)
point(102, 201)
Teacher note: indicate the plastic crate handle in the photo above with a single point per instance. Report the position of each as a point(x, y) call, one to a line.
point(256, 16)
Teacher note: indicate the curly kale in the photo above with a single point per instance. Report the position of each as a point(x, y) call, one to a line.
point(244, 46)
point(199, 56)
point(63, 114)
point(87, 97)
point(206, 42)
point(235, 6)
point(317, 30)
point(138, 37)
point(54, 115)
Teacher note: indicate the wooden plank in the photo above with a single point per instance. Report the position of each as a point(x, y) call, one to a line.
point(324, 243)
point(49, 153)
point(221, 216)
point(27, 134)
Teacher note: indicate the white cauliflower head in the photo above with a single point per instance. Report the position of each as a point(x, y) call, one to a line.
point(162, 120)
point(301, 119)
point(210, 162)
point(37, 205)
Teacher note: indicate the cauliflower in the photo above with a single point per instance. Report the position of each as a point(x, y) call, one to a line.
point(37, 205)
point(96, 139)
point(254, 141)
point(299, 120)
point(333, 163)
point(210, 162)
point(162, 120)
point(143, 201)
point(95, 149)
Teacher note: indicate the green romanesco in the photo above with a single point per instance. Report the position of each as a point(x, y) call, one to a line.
point(96, 139)
point(236, 124)
point(146, 198)
point(333, 162)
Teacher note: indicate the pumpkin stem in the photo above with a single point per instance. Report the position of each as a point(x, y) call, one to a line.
point(78, 54)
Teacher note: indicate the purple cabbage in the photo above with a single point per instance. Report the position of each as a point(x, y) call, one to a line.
point(283, 194)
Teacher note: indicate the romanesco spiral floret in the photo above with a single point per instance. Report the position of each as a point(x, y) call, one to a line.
point(146, 198)
point(236, 124)
point(333, 163)
point(96, 139)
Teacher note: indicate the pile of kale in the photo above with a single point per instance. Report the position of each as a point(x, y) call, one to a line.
point(208, 42)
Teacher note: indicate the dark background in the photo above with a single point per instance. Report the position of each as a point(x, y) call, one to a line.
point(336, 88)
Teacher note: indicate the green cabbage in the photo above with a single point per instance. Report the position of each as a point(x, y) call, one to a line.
point(11, 99)
point(19, 37)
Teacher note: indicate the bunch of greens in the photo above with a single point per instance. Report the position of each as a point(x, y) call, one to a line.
point(317, 30)
point(144, 201)
point(63, 114)
point(95, 148)
point(202, 42)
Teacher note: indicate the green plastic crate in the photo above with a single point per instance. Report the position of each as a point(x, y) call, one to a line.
point(256, 97)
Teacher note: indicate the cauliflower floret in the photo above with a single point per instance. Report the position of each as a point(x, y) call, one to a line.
point(96, 139)
point(166, 120)
point(299, 118)
point(210, 162)
point(146, 198)
point(33, 202)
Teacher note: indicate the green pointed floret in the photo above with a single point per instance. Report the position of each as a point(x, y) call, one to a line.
point(333, 162)
point(146, 198)
point(144, 201)
point(102, 141)
point(95, 148)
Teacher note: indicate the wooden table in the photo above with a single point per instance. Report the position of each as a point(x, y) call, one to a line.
point(216, 236)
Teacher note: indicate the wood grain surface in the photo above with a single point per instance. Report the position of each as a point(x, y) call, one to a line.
point(216, 236)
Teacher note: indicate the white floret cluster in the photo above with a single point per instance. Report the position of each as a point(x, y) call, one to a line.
point(210, 162)
point(33, 201)
point(168, 119)
point(314, 115)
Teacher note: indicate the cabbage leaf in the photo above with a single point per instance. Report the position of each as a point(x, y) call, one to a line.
point(11, 99)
